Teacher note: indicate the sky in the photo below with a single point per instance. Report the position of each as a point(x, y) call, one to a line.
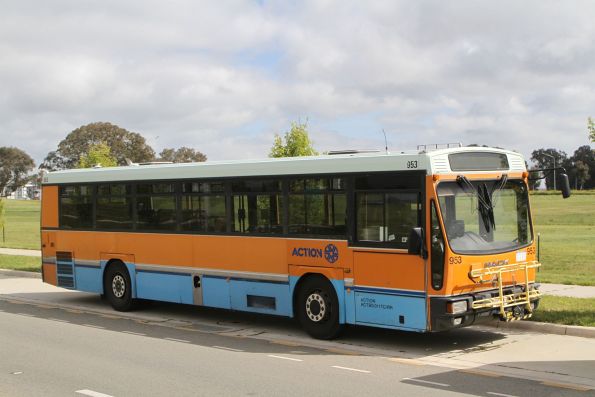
point(224, 76)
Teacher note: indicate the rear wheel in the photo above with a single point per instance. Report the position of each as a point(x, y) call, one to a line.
point(318, 308)
point(117, 287)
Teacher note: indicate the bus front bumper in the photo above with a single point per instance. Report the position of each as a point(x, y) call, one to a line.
point(513, 304)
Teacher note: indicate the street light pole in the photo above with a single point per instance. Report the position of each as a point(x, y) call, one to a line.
point(549, 155)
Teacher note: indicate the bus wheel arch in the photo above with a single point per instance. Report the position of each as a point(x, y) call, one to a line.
point(117, 285)
point(316, 306)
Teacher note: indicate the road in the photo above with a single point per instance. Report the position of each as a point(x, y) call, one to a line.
point(57, 342)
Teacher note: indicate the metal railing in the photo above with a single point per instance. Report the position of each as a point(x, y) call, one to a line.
point(505, 301)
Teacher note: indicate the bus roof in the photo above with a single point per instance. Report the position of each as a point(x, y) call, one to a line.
point(433, 162)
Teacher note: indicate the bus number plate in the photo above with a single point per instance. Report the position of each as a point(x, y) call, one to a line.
point(412, 164)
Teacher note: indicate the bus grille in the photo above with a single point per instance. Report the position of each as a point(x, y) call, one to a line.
point(65, 269)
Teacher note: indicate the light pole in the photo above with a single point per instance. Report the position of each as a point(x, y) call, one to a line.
point(549, 155)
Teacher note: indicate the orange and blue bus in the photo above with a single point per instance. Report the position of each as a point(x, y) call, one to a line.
point(420, 241)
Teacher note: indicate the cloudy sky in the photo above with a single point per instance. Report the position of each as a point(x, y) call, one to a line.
point(225, 76)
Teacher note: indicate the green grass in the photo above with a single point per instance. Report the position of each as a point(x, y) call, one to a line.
point(564, 310)
point(21, 228)
point(25, 263)
point(567, 229)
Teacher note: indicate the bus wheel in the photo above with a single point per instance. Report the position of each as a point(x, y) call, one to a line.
point(118, 288)
point(318, 308)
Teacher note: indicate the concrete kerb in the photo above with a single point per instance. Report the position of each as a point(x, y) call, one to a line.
point(533, 326)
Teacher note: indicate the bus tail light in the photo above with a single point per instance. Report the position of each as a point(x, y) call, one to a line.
point(456, 307)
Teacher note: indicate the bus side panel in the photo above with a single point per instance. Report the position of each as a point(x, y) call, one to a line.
point(260, 297)
point(390, 310)
point(88, 279)
point(167, 287)
point(216, 292)
point(49, 206)
point(49, 273)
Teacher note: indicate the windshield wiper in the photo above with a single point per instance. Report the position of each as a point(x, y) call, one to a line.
point(484, 200)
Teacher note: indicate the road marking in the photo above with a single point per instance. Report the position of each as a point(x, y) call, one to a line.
point(500, 394)
point(427, 382)
point(227, 348)
point(342, 351)
point(566, 386)
point(284, 358)
point(351, 369)
point(92, 393)
point(298, 352)
point(408, 361)
point(73, 311)
point(482, 373)
point(93, 326)
point(134, 333)
point(26, 314)
point(178, 340)
point(16, 373)
point(57, 319)
point(45, 307)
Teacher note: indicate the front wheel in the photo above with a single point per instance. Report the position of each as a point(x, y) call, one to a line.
point(318, 308)
point(118, 288)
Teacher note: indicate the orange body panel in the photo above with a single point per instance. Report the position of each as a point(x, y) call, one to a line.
point(49, 206)
point(388, 270)
point(49, 273)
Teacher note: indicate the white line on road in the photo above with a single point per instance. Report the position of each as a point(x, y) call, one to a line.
point(227, 348)
point(427, 381)
point(93, 326)
point(351, 369)
point(500, 394)
point(178, 340)
point(26, 314)
point(285, 358)
point(57, 319)
point(92, 393)
point(134, 333)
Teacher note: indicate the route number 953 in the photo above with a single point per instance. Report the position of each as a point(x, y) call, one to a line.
point(412, 164)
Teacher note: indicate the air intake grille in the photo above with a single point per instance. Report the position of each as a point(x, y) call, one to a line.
point(65, 269)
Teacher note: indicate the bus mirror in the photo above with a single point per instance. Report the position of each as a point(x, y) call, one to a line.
point(564, 185)
point(415, 241)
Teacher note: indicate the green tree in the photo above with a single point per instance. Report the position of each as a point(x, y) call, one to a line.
point(544, 158)
point(123, 144)
point(591, 127)
point(99, 154)
point(582, 174)
point(295, 142)
point(15, 166)
point(182, 155)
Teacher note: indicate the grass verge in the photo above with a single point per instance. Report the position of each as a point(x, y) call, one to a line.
point(566, 310)
point(21, 228)
point(25, 263)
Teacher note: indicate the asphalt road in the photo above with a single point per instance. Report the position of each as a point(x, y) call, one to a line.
point(54, 342)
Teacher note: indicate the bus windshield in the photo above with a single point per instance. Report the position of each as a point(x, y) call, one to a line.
point(485, 216)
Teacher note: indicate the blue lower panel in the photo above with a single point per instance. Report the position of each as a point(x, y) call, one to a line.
point(215, 292)
point(89, 279)
point(390, 310)
point(276, 296)
point(166, 287)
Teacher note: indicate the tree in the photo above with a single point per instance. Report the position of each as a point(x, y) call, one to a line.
point(296, 142)
point(533, 183)
point(544, 158)
point(591, 128)
point(182, 155)
point(123, 144)
point(582, 174)
point(585, 155)
point(15, 166)
point(99, 154)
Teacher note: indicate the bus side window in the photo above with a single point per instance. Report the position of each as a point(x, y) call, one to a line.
point(436, 249)
point(76, 206)
point(257, 206)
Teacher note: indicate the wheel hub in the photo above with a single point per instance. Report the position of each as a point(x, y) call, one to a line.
point(315, 307)
point(118, 286)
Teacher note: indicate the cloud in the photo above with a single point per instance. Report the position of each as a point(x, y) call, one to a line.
point(223, 77)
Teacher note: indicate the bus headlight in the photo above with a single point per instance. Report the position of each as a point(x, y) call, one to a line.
point(456, 307)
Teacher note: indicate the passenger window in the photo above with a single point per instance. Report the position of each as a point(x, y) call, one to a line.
point(386, 217)
point(114, 207)
point(76, 206)
point(257, 206)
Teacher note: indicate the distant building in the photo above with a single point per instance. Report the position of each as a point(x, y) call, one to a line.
point(30, 191)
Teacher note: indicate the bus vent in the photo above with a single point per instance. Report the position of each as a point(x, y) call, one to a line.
point(65, 269)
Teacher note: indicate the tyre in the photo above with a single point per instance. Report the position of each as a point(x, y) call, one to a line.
point(118, 288)
point(318, 308)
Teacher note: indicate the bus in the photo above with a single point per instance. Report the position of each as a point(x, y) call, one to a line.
point(425, 241)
